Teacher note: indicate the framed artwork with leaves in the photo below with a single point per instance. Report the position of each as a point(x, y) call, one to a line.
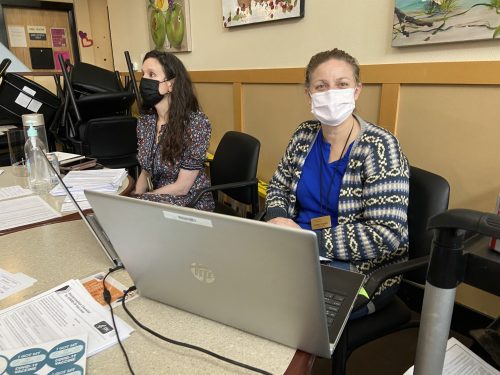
point(169, 25)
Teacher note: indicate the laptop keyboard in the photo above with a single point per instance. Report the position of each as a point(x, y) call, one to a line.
point(333, 301)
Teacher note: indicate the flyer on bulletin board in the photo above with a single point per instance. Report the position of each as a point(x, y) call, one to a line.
point(63, 356)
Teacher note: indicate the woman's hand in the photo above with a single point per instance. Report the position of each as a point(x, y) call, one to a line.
point(283, 221)
point(141, 186)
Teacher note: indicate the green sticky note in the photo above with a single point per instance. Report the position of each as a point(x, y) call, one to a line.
point(362, 292)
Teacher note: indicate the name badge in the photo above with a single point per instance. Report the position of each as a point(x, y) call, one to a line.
point(321, 222)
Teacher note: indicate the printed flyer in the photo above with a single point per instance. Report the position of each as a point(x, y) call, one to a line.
point(64, 356)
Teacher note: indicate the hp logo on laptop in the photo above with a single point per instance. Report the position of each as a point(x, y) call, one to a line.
point(202, 273)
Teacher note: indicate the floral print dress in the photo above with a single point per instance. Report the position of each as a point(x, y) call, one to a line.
point(196, 137)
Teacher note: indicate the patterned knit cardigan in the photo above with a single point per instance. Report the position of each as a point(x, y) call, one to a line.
point(373, 201)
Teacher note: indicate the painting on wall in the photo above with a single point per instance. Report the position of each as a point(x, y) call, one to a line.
point(245, 12)
point(422, 22)
point(169, 25)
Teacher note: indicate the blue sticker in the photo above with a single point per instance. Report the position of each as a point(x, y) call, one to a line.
point(67, 370)
point(28, 361)
point(66, 353)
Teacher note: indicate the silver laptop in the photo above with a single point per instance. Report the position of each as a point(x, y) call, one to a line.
point(90, 220)
point(254, 276)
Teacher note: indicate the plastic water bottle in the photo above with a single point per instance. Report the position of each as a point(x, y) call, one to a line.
point(39, 179)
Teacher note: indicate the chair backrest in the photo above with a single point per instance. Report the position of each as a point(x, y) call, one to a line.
point(236, 159)
point(105, 104)
point(91, 79)
point(429, 195)
point(111, 137)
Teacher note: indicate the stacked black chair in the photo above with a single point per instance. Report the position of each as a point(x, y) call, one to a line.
point(96, 119)
point(233, 172)
point(20, 95)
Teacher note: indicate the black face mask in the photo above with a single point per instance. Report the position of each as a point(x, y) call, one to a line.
point(149, 89)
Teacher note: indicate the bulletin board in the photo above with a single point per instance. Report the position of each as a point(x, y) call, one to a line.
point(37, 36)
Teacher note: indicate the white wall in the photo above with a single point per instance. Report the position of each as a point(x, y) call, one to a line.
point(362, 27)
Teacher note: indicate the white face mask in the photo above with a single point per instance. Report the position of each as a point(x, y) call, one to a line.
point(333, 107)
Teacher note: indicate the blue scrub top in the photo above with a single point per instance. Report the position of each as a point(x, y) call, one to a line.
point(308, 188)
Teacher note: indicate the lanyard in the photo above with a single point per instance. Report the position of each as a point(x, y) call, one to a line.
point(325, 210)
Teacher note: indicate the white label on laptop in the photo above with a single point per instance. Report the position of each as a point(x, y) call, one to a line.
point(187, 219)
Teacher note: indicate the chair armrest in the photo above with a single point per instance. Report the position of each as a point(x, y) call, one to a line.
point(231, 185)
point(378, 277)
point(260, 215)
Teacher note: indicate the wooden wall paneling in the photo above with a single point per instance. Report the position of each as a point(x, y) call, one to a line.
point(99, 23)
point(368, 104)
point(217, 103)
point(238, 108)
point(453, 131)
point(272, 113)
point(453, 73)
point(389, 106)
point(444, 115)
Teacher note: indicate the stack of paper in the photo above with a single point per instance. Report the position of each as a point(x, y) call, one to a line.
point(11, 283)
point(24, 211)
point(66, 157)
point(15, 191)
point(64, 311)
point(104, 180)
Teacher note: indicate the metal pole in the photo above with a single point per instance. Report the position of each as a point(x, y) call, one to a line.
point(435, 323)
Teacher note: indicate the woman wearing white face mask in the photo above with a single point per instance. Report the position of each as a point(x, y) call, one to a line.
point(343, 178)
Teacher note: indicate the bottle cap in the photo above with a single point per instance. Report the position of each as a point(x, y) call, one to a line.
point(32, 131)
point(35, 118)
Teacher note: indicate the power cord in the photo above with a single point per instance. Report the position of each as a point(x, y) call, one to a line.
point(107, 297)
point(186, 345)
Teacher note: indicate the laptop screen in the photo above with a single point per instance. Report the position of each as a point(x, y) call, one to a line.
point(89, 220)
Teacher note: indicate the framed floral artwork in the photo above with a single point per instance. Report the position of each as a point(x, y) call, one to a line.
point(422, 22)
point(245, 12)
point(169, 25)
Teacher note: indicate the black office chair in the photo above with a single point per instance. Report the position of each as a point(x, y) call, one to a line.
point(233, 172)
point(111, 148)
point(429, 195)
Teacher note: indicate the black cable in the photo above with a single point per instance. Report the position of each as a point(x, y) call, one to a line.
point(107, 297)
point(186, 345)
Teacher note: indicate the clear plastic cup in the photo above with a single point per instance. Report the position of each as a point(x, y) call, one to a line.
point(52, 157)
point(16, 140)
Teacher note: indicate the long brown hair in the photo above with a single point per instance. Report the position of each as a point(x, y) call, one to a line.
point(183, 102)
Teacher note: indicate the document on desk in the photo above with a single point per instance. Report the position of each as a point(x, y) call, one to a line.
point(63, 311)
point(94, 286)
point(15, 191)
point(106, 180)
point(11, 283)
point(64, 356)
point(24, 211)
point(460, 360)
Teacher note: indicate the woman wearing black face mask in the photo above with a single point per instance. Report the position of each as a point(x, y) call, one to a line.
point(173, 135)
